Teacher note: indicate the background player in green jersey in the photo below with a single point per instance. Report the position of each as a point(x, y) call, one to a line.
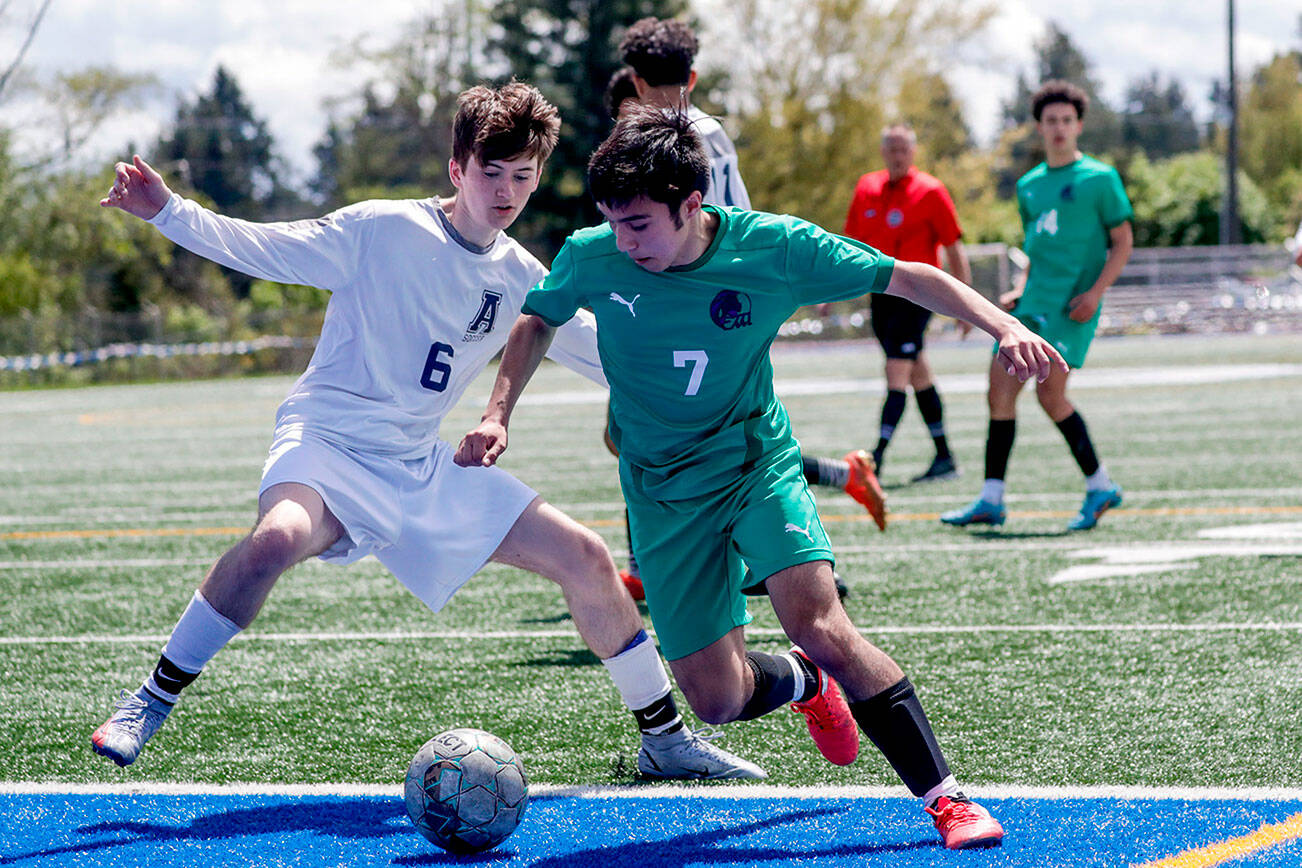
point(689, 298)
point(1076, 218)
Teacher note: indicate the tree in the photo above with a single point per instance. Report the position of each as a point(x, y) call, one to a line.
point(219, 148)
point(1056, 56)
point(1270, 129)
point(569, 50)
point(397, 139)
point(1178, 201)
point(1157, 120)
point(81, 101)
point(28, 29)
point(822, 79)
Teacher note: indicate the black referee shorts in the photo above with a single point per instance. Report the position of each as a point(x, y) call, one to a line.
point(899, 325)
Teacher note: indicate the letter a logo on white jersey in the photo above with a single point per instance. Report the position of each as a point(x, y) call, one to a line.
point(615, 296)
point(482, 323)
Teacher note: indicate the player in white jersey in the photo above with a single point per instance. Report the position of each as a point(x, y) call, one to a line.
point(423, 293)
point(660, 52)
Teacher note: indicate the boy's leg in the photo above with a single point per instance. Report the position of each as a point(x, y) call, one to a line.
point(988, 508)
point(1101, 493)
point(293, 524)
point(546, 541)
point(881, 700)
point(933, 414)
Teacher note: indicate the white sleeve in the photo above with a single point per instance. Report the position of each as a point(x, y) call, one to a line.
point(575, 346)
point(324, 253)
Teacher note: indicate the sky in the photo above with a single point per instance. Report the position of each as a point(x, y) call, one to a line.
point(280, 52)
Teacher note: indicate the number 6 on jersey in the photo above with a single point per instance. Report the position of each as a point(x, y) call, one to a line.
point(699, 360)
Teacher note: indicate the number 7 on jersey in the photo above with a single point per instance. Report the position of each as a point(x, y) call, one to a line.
point(698, 360)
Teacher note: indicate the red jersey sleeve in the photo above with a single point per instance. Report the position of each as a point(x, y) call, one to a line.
point(944, 217)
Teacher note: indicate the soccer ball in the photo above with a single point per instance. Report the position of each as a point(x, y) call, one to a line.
point(466, 790)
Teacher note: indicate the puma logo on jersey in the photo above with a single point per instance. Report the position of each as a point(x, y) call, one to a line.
point(615, 296)
point(795, 528)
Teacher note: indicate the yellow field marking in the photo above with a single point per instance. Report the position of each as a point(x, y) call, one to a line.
point(1219, 853)
point(614, 522)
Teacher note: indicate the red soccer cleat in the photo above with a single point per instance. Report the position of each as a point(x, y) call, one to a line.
point(964, 824)
point(633, 584)
point(828, 717)
point(864, 487)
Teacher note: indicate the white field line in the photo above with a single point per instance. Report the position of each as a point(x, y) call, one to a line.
point(668, 790)
point(509, 635)
point(105, 564)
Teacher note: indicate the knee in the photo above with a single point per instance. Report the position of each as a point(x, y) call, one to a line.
point(591, 555)
point(275, 546)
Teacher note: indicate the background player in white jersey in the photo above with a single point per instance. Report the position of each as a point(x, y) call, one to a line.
point(423, 293)
point(661, 51)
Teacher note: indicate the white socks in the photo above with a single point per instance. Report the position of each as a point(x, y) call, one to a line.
point(201, 632)
point(1099, 481)
point(992, 491)
point(947, 787)
point(638, 672)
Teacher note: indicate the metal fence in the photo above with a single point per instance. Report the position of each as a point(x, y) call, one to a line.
point(1162, 290)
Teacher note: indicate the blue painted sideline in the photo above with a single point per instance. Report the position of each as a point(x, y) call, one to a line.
point(609, 831)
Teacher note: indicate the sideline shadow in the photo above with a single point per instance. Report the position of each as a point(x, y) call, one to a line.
point(340, 818)
point(704, 848)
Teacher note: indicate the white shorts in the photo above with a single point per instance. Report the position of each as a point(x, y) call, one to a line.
point(432, 523)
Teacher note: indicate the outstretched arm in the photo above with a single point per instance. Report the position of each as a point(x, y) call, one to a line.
point(137, 189)
point(1023, 353)
point(530, 338)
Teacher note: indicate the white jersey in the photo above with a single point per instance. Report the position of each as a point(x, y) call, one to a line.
point(415, 313)
point(726, 187)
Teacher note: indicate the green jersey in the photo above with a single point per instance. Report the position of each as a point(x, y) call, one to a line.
point(1066, 215)
point(686, 350)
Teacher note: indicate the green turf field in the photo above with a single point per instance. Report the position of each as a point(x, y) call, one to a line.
point(1163, 648)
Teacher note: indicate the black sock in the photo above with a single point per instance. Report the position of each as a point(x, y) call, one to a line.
point(775, 683)
point(999, 445)
point(170, 678)
point(660, 717)
point(896, 723)
point(832, 472)
point(1078, 439)
point(632, 556)
point(933, 413)
point(892, 412)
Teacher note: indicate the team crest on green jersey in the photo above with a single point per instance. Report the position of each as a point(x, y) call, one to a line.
point(730, 309)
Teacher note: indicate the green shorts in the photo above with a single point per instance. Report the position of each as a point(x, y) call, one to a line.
point(693, 554)
point(1068, 337)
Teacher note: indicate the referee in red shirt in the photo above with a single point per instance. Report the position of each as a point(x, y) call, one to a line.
point(909, 215)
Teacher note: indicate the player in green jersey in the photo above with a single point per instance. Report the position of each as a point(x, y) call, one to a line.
point(1076, 218)
point(689, 298)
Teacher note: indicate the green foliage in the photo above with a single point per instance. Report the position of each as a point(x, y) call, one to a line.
point(218, 147)
point(398, 134)
point(1056, 56)
point(569, 50)
point(1157, 120)
point(823, 79)
point(1270, 132)
point(1178, 201)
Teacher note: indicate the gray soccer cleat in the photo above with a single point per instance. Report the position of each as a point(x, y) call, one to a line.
point(688, 755)
point(137, 716)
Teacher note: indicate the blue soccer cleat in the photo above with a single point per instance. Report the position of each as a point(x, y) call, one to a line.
point(1096, 503)
point(978, 512)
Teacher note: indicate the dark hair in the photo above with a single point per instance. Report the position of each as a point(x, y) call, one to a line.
point(660, 50)
point(503, 123)
point(620, 88)
point(1057, 90)
point(652, 152)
